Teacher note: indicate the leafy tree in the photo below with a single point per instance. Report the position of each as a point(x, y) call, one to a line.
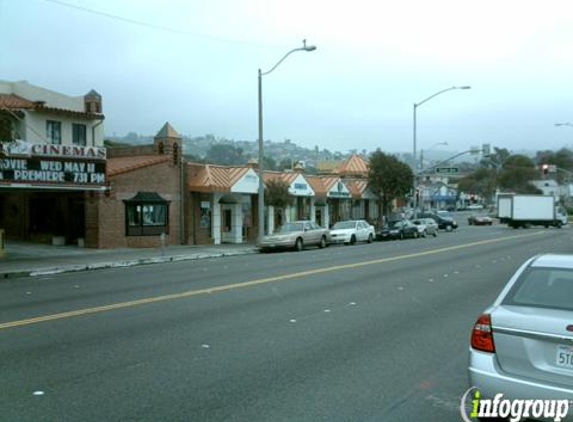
point(517, 173)
point(389, 179)
point(284, 164)
point(225, 154)
point(481, 182)
point(563, 159)
point(277, 194)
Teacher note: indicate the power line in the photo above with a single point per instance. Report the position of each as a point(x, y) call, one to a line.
point(161, 28)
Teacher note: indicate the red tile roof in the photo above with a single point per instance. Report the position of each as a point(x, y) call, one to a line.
point(120, 165)
point(355, 165)
point(214, 178)
point(15, 102)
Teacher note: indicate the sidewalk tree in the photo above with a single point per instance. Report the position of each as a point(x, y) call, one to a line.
point(481, 182)
point(277, 195)
point(389, 179)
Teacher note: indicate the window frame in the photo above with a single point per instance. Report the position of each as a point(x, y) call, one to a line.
point(141, 228)
point(50, 126)
point(85, 134)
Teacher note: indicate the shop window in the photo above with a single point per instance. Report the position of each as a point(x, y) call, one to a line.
point(79, 134)
point(5, 129)
point(147, 214)
point(227, 221)
point(54, 132)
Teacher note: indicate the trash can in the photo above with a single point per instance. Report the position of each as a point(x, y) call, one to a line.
point(2, 244)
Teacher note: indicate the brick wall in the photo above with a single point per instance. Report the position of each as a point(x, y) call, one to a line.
point(105, 215)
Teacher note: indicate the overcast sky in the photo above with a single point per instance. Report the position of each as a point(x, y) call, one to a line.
point(374, 59)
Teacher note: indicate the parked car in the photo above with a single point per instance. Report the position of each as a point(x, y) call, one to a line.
point(350, 232)
point(444, 220)
point(296, 235)
point(479, 220)
point(475, 207)
point(399, 229)
point(521, 346)
point(427, 225)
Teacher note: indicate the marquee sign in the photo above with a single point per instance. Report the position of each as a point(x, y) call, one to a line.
point(26, 165)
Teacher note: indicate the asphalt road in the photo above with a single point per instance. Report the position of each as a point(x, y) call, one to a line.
point(350, 333)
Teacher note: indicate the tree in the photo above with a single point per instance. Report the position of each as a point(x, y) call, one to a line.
point(269, 163)
point(277, 195)
point(225, 154)
point(284, 164)
point(389, 179)
point(481, 182)
point(517, 173)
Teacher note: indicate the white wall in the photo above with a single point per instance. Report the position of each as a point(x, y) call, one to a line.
point(36, 93)
point(35, 128)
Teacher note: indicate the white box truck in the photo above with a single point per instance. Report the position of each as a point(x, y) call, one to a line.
point(530, 210)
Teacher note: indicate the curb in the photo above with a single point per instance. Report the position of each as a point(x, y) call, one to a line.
point(121, 264)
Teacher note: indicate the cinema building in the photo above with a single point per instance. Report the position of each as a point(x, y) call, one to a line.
point(51, 159)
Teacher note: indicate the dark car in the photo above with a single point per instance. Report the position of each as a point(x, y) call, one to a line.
point(398, 230)
point(445, 221)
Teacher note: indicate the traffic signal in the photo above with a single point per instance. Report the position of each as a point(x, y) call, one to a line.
point(545, 168)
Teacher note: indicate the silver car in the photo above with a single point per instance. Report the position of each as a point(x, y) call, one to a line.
point(296, 235)
point(426, 226)
point(522, 345)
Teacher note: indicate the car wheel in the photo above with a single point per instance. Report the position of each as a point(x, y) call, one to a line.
point(352, 240)
point(435, 233)
point(449, 228)
point(298, 245)
point(416, 234)
point(424, 234)
point(322, 243)
point(370, 238)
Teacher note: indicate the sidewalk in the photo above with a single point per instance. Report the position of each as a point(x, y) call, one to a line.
point(27, 259)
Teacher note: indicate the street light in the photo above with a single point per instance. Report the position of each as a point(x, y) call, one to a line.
point(416, 105)
point(427, 150)
point(261, 149)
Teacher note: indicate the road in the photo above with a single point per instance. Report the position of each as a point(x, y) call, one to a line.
point(350, 333)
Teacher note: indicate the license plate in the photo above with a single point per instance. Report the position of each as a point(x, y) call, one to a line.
point(565, 356)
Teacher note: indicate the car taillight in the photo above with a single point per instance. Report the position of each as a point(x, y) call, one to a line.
point(482, 334)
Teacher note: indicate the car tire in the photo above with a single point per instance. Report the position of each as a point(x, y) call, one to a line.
point(449, 228)
point(370, 238)
point(416, 234)
point(322, 243)
point(424, 234)
point(352, 239)
point(298, 245)
point(435, 233)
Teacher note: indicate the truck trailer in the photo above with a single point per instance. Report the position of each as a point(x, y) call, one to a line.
point(530, 210)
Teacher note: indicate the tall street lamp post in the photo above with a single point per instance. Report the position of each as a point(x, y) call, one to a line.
point(415, 152)
point(261, 203)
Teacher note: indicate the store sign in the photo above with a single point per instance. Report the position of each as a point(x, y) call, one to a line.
point(50, 166)
point(339, 190)
point(300, 187)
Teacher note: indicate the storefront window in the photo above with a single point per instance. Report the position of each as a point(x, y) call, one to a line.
point(147, 214)
point(79, 134)
point(54, 132)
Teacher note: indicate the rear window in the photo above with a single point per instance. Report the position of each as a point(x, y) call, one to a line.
point(544, 288)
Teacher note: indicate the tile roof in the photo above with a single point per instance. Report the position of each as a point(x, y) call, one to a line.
point(355, 165)
point(317, 185)
point(214, 178)
point(286, 177)
point(357, 187)
point(15, 102)
point(120, 165)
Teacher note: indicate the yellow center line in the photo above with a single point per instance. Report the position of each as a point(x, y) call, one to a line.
point(233, 286)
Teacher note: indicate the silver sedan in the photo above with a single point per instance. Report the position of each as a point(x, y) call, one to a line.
point(296, 235)
point(522, 345)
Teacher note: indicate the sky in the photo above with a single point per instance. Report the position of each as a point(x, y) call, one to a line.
point(194, 63)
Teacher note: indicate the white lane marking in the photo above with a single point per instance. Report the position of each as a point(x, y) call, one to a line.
point(456, 272)
point(76, 287)
point(292, 320)
point(46, 278)
point(38, 393)
point(327, 310)
point(205, 346)
point(445, 275)
point(400, 288)
point(431, 280)
point(28, 293)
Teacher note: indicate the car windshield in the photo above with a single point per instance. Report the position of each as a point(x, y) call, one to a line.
point(342, 225)
point(544, 288)
point(292, 227)
point(444, 214)
point(394, 224)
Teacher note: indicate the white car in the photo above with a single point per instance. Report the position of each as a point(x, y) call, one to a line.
point(350, 232)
